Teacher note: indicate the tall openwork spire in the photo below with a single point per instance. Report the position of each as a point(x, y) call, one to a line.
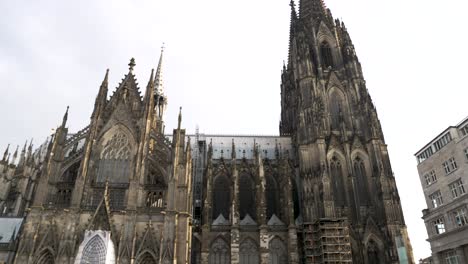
point(158, 81)
point(291, 29)
point(314, 8)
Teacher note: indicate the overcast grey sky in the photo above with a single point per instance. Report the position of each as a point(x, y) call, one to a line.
point(223, 62)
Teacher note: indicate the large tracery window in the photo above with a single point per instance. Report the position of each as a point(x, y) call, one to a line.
point(219, 252)
point(248, 252)
point(362, 189)
point(115, 160)
point(326, 54)
point(272, 197)
point(221, 197)
point(278, 253)
point(247, 196)
point(336, 171)
point(94, 252)
point(336, 111)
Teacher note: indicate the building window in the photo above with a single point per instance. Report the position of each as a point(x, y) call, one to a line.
point(464, 130)
point(451, 257)
point(430, 177)
point(461, 218)
point(466, 153)
point(457, 188)
point(439, 226)
point(425, 154)
point(450, 165)
point(326, 52)
point(436, 199)
point(442, 141)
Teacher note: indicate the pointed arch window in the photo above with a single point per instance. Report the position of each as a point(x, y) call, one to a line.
point(219, 252)
point(272, 196)
point(94, 251)
point(46, 258)
point(336, 110)
point(196, 251)
point(147, 259)
point(336, 171)
point(278, 253)
point(221, 197)
point(115, 160)
point(362, 189)
point(326, 54)
point(65, 186)
point(247, 196)
point(248, 252)
point(373, 254)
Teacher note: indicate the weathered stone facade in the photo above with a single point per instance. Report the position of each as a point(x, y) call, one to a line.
point(443, 171)
point(321, 192)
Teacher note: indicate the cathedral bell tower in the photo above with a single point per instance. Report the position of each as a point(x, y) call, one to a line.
point(346, 185)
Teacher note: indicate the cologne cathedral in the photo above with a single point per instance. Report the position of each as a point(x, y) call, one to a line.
point(123, 190)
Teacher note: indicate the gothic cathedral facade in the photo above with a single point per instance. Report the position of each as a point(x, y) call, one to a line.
point(121, 190)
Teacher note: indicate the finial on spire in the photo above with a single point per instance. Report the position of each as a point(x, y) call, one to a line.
point(65, 117)
point(180, 117)
point(132, 64)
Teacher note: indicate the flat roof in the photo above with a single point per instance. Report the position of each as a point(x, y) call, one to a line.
point(439, 135)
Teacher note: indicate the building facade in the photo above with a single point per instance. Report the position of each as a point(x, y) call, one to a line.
point(122, 191)
point(443, 171)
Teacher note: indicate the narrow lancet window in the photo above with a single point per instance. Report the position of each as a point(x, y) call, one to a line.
point(326, 54)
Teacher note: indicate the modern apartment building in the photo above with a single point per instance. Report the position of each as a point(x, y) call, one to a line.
point(443, 171)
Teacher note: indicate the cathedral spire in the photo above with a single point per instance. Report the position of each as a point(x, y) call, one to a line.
point(291, 30)
point(158, 81)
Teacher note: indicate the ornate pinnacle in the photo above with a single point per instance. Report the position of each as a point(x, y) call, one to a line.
point(233, 153)
point(65, 117)
point(5, 154)
point(180, 118)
